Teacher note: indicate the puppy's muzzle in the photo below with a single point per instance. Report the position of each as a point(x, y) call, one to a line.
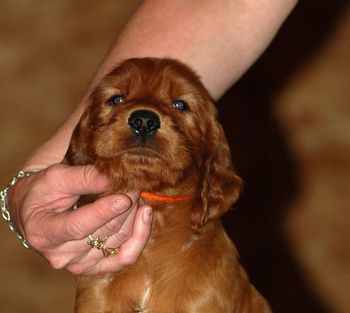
point(144, 123)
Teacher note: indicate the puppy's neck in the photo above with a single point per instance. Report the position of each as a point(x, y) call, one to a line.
point(183, 193)
point(172, 204)
point(167, 199)
point(171, 215)
point(172, 207)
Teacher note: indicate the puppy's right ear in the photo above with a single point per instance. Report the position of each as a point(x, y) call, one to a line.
point(78, 150)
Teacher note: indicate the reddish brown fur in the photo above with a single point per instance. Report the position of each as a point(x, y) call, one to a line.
point(189, 263)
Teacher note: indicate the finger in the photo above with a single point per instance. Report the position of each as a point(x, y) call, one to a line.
point(118, 230)
point(78, 224)
point(132, 248)
point(77, 255)
point(78, 180)
point(94, 262)
point(130, 251)
point(82, 256)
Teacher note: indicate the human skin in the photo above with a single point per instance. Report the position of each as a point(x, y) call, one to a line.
point(220, 40)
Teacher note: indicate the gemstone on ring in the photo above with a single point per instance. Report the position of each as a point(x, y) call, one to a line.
point(99, 243)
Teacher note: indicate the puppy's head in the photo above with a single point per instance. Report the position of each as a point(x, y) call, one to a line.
point(151, 126)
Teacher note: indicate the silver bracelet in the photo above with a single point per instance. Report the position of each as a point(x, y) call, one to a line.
point(4, 204)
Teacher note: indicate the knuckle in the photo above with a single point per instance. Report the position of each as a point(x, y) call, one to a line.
point(73, 230)
point(53, 171)
point(36, 242)
point(88, 173)
point(50, 176)
point(76, 269)
point(128, 259)
point(116, 225)
point(57, 262)
point(124, 234)
point(110, 227)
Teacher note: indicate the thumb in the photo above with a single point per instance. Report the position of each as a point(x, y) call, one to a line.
point(78, 180)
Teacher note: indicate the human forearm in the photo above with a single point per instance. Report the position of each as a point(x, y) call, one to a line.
point(219, 39)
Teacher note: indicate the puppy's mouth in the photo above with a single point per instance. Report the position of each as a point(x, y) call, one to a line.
point(142, 152)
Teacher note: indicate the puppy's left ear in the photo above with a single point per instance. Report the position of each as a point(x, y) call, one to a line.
point(219, 185)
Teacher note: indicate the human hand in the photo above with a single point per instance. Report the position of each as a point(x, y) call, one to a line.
point(40, 208)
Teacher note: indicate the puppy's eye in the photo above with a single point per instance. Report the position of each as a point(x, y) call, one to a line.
point(117, 99)
point(180, 105)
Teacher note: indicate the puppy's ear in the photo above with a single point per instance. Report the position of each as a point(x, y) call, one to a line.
point(77, 153)
point(219, 185)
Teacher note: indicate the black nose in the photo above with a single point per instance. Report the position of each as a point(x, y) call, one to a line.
point(144, 123)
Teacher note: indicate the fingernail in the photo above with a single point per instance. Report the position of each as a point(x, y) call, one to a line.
point(147, 214)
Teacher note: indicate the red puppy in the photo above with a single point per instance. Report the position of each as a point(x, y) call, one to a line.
point(152, 126)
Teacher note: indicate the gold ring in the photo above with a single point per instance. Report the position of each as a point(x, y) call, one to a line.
point(99, 243)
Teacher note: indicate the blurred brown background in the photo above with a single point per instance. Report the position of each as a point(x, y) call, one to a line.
point(288, 122)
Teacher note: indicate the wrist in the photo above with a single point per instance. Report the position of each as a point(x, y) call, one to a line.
point(5, 211)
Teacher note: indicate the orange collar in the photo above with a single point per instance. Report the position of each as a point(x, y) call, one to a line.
point(153, 196)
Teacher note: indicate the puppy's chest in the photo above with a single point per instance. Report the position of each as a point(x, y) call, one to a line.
point(152, 285)
point(170, 276)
